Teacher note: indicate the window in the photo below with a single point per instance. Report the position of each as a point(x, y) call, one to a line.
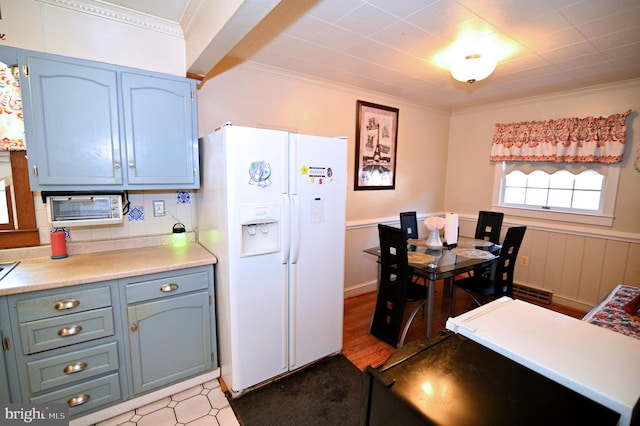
point(583, 193)
point(18, 226)
point(561, 190)
point(5, 190)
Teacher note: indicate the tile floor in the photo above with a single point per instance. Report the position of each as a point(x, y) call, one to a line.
point(199, 406)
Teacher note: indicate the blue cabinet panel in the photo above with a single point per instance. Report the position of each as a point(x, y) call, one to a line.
point(73, 135)
point(69, 345)
point(160, 130)
point(95, 126)
point(4, 334)
point(169, 340)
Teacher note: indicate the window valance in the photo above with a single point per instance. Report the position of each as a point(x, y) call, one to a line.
point(563, 140)
point(11, 115)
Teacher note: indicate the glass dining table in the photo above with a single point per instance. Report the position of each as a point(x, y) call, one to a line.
point(468, 255)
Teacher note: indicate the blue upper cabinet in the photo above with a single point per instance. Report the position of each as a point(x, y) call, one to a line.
point(160, 130)
point(95, 126)
point(73, 135)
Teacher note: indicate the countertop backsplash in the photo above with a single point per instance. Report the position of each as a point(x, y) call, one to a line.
point(79, 247)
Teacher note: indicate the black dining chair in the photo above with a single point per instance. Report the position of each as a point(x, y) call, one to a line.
point(489, 226)
point(395, 288)
point(486, 287)
point(409, 224)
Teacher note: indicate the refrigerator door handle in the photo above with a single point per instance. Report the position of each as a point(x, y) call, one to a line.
point(285, 239)
point(295, 229)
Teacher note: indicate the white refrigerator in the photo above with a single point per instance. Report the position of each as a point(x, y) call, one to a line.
point(272, 208)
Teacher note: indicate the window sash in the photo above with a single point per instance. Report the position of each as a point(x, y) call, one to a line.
point(603, 217)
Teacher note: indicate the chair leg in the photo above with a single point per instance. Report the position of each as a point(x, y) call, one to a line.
point(409, 321)
point(453, 300)
point(447, 288)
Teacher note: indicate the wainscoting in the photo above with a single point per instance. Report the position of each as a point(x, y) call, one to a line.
point(580, 265)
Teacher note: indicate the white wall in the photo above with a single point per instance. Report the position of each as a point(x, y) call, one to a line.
point(258, 97)
point(469, 170)
point(66, 28)
point(579, 263)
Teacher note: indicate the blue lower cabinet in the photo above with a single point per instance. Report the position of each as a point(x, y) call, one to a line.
point(68, 347)
point(171, 327)
point(5, 349)
point(94, 345)
point(86, 396)
point(169, 340)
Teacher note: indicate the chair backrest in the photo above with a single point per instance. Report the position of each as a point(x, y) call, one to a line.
point(489, 226)
point(409, 224)
point(392, 290)
point(503, 281)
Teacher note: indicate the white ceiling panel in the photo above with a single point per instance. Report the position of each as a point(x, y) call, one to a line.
point(396, 47)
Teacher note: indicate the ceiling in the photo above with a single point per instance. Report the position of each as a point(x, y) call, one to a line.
point(395, 47)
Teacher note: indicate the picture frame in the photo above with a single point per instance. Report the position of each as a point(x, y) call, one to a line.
point(376, 146)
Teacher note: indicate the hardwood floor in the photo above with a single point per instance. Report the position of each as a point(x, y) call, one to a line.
point(363, 349)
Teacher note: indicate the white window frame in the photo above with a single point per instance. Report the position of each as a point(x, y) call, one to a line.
point(603, 218)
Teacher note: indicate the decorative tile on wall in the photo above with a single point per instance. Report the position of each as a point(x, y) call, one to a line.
point(136, 213)
point(67, 233)
point(184, 197)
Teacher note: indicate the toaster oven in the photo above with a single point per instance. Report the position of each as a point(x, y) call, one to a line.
point(84, 209)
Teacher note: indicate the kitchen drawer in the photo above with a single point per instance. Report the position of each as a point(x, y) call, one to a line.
point(95, 393)
point(63, 303)
point(71, 367)
point(167, 286)
point(51, 333)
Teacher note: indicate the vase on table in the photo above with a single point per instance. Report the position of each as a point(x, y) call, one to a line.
point(434, 242)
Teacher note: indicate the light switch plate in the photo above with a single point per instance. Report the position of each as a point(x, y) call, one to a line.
point(158, 208)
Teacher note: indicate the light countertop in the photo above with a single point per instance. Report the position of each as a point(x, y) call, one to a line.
point(41, 272)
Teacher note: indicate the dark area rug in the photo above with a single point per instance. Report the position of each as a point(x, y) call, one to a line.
point(327, 393)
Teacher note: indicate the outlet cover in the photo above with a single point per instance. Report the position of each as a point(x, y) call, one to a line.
point(158, 208)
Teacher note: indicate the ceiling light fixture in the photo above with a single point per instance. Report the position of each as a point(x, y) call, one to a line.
point(473, 68)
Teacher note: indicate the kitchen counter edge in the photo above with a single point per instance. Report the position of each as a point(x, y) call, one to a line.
point(43, 273)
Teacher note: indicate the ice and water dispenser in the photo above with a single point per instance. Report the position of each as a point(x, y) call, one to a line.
point(260, 226)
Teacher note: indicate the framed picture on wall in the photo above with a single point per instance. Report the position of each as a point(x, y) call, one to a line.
point(376, 144)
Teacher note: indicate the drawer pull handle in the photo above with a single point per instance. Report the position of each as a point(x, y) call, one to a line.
point(70, 331)
point(78, 400)
point(74, 368)
point(66, 304)
point(167, 288)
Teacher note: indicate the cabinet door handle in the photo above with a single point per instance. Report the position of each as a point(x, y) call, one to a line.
point(66, 304)
point(132, 165)
point(116, 165)
point(78, 400)
point(134, 327)
point(74, 368)
point(70, 331)
point(167, 288)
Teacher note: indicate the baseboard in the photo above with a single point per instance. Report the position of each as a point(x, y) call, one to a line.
point(572, 303)
point(361, 288)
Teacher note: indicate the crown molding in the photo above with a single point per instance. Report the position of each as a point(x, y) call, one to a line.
point(120, 14)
